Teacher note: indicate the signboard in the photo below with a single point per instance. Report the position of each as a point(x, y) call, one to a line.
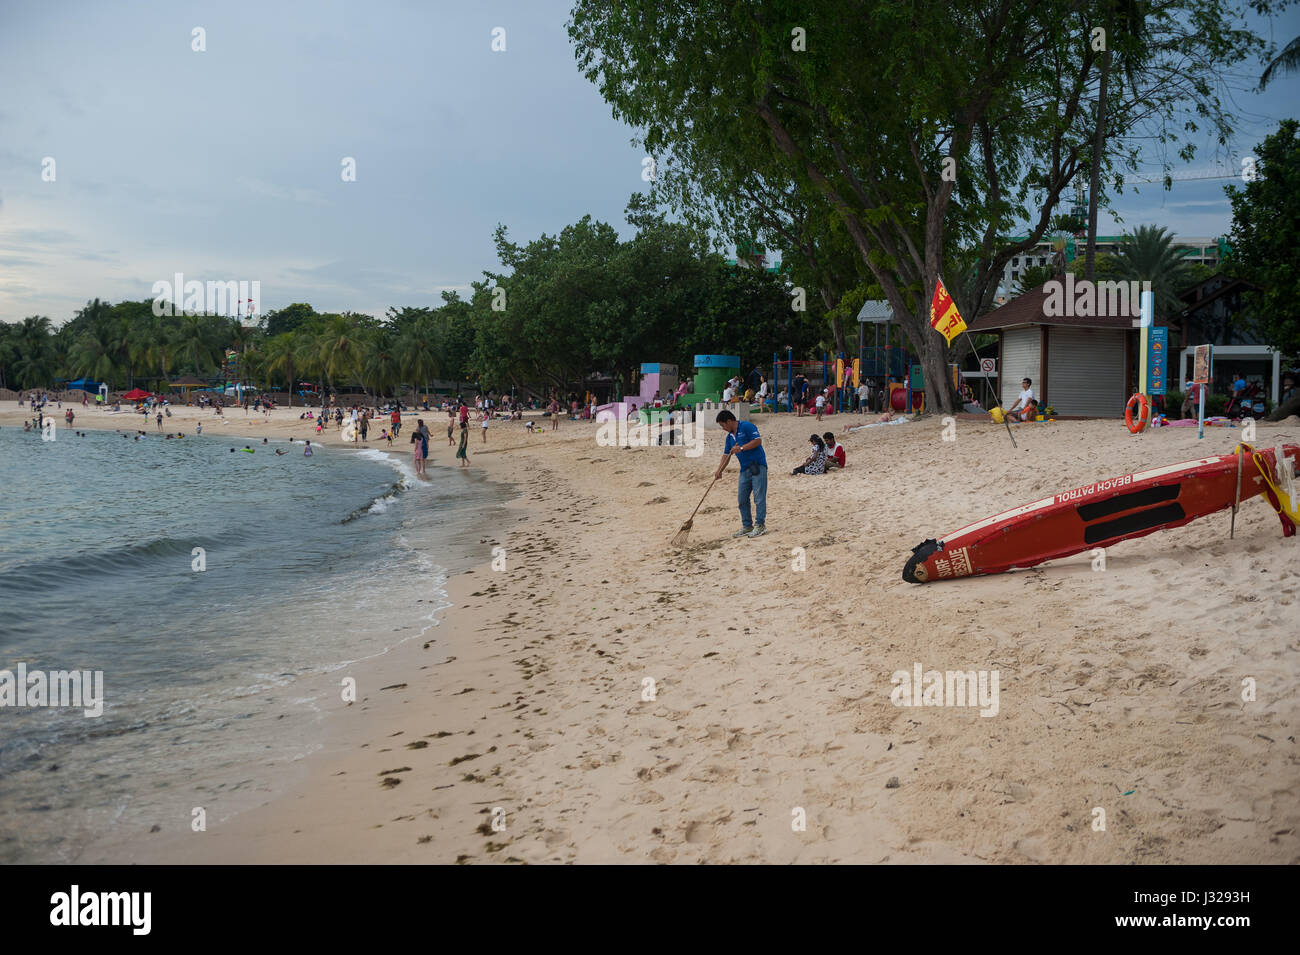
point(989, 366)
point(1202, 364)
point(1157, 361)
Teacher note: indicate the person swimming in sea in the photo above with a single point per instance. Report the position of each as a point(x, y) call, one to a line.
point(307, 451)
point(280, 451)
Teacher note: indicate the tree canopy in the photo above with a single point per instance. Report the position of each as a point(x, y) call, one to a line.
point(929, 131)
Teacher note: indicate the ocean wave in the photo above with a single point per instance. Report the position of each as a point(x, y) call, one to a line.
point(380, 503)
point(129, 558)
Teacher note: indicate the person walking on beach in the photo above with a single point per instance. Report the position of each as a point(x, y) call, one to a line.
point(744, 442)
point(484, 428)
point(419, 451)
point(554, 408)
point(365, 425)
point(451, 426)
point(160, 421)
point(462, 450)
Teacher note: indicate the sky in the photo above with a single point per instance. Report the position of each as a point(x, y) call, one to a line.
point(226, 164)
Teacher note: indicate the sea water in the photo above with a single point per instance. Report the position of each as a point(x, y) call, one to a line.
point(220, 593)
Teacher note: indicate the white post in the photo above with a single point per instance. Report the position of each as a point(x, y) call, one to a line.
point(1277, 374)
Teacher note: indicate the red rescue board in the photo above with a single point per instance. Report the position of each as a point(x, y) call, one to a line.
point(1095, 515)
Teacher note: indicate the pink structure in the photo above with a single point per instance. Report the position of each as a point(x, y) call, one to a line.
point(656, 378)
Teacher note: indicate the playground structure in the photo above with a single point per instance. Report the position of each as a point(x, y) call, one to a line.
point(843, 375)
point(661, 391)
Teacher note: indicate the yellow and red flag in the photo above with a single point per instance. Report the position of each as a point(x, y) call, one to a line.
point(944, 317)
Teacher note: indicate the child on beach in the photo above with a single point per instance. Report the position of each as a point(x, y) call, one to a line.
point(821, 405)
point(484, 428)
point(418, 451)
point(462, 450)
point(385, 436)
point(815, 463)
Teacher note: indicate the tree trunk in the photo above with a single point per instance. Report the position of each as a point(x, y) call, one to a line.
point(934, 365)
point(1094, 183)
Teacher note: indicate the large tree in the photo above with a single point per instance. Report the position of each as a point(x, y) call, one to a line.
point(926, 126)
point(1264, 216)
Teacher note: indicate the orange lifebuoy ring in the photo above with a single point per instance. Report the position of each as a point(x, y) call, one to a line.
point(1144, 413)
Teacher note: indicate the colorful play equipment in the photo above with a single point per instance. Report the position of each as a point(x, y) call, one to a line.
point(712, 372)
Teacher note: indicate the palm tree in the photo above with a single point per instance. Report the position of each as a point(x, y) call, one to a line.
point(419, 347)
point(1288, 61)
point(33, 347)
point(380, 368)
point(280, 355)
point(8, 339)
point(193, 344)
point(95, 355)
point(340, 349)
point(1148, 256)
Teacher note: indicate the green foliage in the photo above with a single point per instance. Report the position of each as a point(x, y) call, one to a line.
point(574, 305)
point(1148, 255)
point(848, 143)
point(1033, 277)
point(1264, 217)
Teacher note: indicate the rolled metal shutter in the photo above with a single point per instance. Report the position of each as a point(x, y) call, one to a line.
point(1021, 352)
point(1085, 369)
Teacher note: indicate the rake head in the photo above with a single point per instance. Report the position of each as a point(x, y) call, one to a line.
point(682, 536)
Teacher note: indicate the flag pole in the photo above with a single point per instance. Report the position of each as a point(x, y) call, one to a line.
point(934, 323)
point(996, 402)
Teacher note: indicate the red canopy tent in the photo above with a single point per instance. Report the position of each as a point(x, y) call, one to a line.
point(136, 394)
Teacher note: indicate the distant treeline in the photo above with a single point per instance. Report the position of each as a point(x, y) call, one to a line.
point(564, 310)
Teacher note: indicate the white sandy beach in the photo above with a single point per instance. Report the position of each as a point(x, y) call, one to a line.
point(1119, 690)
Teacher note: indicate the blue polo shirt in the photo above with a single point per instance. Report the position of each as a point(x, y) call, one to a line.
point(746, 432)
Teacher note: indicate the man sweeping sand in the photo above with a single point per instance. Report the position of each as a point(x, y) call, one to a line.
point(743, 440)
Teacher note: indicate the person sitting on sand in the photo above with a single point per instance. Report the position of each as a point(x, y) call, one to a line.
point(815, 463)
point(835, 455)
point(1026, 405)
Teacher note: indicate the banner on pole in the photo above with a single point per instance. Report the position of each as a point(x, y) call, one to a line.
point(1157, 361)
point(944, 317)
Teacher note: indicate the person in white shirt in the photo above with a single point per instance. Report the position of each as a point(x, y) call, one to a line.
point(864, 395)
point(762, 391)
point(728, 393)
point(1026, 405)
point(821, 405)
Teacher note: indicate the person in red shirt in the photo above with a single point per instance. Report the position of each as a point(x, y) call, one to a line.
point(835, 456)
point(395, 419)
point(464, 414)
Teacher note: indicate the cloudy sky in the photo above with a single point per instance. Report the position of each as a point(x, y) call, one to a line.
point(225, 164)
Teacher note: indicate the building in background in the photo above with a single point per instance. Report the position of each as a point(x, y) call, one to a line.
point(1199, 250)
